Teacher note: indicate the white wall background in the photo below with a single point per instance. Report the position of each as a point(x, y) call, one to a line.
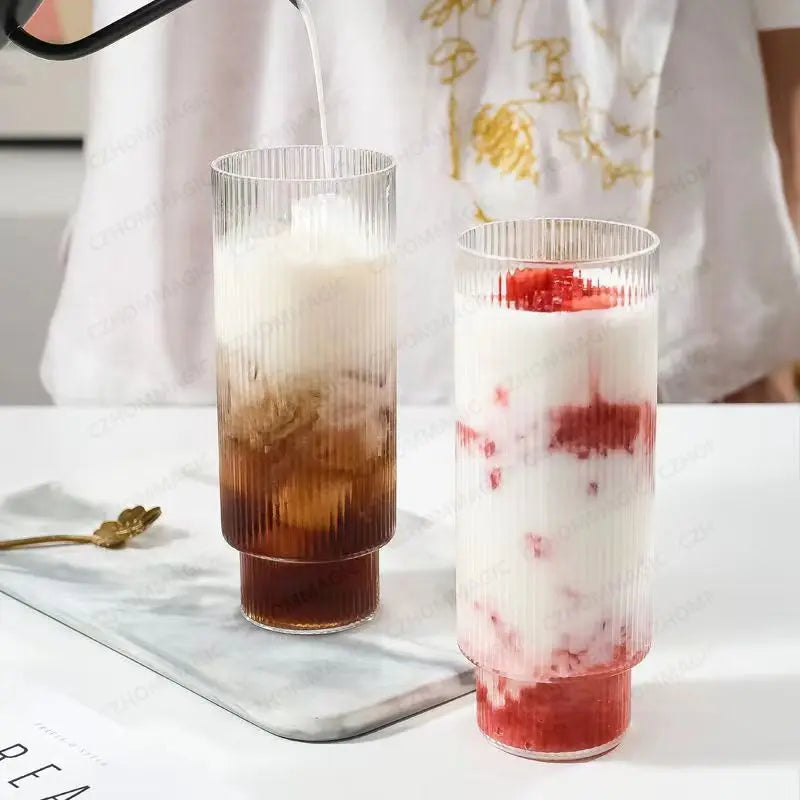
point(39, 189)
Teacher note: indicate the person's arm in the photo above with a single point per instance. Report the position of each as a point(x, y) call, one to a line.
point(778, 23)
point(780, 52)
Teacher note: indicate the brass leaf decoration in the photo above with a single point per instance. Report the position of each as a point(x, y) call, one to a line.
point(131, 522)
point(111, 533)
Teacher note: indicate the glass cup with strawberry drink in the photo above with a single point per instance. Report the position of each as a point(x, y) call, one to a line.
point(555, 381)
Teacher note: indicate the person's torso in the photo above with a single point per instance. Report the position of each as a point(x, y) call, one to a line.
point(493, 108)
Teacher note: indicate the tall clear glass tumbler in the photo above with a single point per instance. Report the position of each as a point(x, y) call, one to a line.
point(555, 383)
point(304, 271)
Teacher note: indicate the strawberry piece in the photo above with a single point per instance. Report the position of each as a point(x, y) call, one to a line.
point(648, 431)
point(537, 545)
point(466, 435)
point(599, 299)
point(597, 428)
point(470, 438)
point(549, 289)
point(505, 634)
point(573, 595)
point(495, 477)
point(501, 396)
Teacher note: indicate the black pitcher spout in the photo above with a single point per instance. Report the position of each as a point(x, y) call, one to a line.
point(14, 14)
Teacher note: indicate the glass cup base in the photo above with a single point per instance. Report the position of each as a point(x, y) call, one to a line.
point(306, 631)
point(577, 755)
point(309, 597)
point(567, 719)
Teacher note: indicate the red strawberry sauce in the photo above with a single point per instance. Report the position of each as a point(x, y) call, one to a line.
point(561, 716)
point(602, 426)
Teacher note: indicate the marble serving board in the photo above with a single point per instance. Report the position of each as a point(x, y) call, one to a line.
point(170, 601)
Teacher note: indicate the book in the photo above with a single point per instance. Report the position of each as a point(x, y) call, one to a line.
point(53, 748)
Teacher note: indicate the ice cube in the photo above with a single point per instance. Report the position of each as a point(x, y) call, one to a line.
point(315, 503)
point(329, 225)
point(353, 425)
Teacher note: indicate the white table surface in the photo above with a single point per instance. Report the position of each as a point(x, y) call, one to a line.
point(716, 708)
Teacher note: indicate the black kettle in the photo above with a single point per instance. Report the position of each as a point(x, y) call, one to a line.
point(14, 14)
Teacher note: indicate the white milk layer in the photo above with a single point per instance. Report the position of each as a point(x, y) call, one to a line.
point(554, 548)
point(307, 301)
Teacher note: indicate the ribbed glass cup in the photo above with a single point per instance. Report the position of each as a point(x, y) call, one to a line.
point(304, 270)
point(555, 384)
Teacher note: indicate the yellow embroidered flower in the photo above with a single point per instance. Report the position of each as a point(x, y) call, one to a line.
point(456, 55)
point(480, 215)
point(504, 136)
point(483, 8)
point(438, 12)
point(626, 169)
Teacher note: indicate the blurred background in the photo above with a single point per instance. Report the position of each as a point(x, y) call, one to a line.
point(43, 113)
point(43, 120)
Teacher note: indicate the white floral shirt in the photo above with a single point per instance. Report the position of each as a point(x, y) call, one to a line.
point(651, 111)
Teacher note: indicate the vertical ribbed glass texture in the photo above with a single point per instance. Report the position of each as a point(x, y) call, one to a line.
point(304, 270)
point(555, 379)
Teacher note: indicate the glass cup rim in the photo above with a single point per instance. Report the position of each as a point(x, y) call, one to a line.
point(654, 244)
point(389, 165)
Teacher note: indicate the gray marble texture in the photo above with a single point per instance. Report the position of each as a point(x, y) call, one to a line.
point(170, 601)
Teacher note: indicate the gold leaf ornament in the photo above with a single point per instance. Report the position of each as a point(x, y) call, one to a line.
point(456, 55)
point(504, 137)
